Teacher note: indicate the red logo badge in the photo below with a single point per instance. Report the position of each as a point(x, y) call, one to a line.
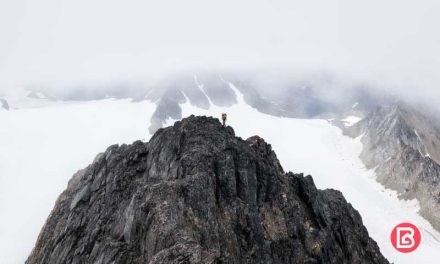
point(405, 237)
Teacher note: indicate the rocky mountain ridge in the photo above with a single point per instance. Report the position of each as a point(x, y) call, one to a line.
point(292, 95)
point(195, 193)
point(4, 104)
point(402, 145)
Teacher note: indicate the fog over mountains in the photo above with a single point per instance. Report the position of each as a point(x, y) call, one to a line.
point(389, 118)
point(303, 118)
point(301, 96)
point(351, 86)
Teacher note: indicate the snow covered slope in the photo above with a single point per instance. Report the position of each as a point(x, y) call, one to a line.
point(42, 147)
point(315, 147)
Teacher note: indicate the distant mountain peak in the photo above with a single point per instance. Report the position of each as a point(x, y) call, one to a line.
point(4, 104)
point(402, 144)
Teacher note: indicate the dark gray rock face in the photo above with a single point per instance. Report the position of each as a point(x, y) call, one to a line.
point(197, 194)
point(199, 90)
point(218, 90)
point(167, 107)
point(170, 94)
point(402, 144)
point(4, 104)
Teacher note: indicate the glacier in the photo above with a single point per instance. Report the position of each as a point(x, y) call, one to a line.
point(44, 143)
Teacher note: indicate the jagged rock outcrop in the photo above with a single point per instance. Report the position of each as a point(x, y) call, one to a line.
point(195, 193)
point(403, 146)
point(4, 104)
point(198, 90)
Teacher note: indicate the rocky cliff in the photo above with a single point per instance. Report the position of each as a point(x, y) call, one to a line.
point(196, 193)
point(402, 145)
point(4, 104)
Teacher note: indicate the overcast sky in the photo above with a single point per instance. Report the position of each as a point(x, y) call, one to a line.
point(61, 41)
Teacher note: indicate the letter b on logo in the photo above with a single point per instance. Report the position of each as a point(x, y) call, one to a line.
point(405, 237)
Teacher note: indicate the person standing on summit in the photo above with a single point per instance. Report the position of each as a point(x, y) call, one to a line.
point(224, 117)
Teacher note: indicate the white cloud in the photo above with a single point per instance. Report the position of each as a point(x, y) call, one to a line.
point(53, 41)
